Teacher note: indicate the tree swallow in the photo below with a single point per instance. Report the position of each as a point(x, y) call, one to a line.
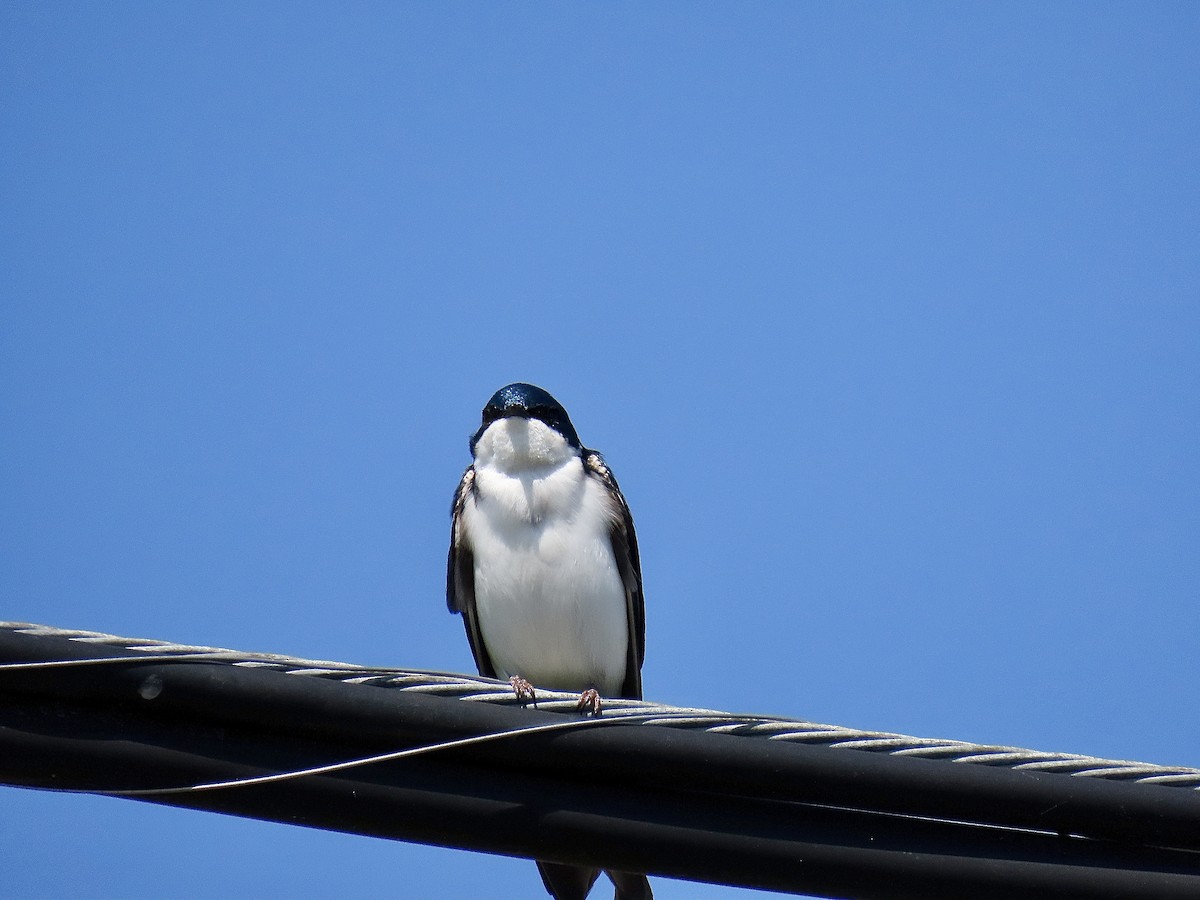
point(544, 568)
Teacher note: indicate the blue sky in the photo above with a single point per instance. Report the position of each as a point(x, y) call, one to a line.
point(887, 319)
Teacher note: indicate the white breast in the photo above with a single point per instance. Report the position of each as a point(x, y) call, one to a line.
point(549, 597)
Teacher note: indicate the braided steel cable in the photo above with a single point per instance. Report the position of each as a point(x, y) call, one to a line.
point(476, 689)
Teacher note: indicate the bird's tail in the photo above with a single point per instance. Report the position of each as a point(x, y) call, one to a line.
point(630, 886)
point(565, 882)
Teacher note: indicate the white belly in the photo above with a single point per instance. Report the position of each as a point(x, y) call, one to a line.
point(549, 597)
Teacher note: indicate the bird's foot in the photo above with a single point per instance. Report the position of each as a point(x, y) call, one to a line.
point(523, 689)
point(589, 702)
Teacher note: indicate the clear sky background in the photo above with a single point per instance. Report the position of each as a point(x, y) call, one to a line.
point(886, 318)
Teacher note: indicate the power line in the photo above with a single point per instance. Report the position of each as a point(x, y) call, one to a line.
point(453, 760)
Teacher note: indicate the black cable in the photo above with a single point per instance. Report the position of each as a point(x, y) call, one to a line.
point(746, 811)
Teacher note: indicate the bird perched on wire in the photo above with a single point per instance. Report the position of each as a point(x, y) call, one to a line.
point(544, 568)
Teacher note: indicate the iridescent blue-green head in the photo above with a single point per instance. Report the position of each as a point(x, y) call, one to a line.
point(527, 401)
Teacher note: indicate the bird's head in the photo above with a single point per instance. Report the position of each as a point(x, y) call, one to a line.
point(528, 402)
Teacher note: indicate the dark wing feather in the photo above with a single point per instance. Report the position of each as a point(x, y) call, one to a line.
point(460, 575)
point(625, 551)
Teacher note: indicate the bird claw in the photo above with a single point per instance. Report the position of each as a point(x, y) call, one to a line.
point(589, 702)
point(523, 689)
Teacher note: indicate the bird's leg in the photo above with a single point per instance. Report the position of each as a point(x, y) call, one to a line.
point(523, 689)
point(589, 702)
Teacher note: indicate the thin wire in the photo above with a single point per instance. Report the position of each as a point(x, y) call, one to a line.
point(360, 761)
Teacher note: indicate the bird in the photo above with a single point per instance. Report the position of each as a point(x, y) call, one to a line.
point(543, 567)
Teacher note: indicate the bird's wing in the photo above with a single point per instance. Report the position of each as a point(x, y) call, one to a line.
point(460, 575)
point(625, 551)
